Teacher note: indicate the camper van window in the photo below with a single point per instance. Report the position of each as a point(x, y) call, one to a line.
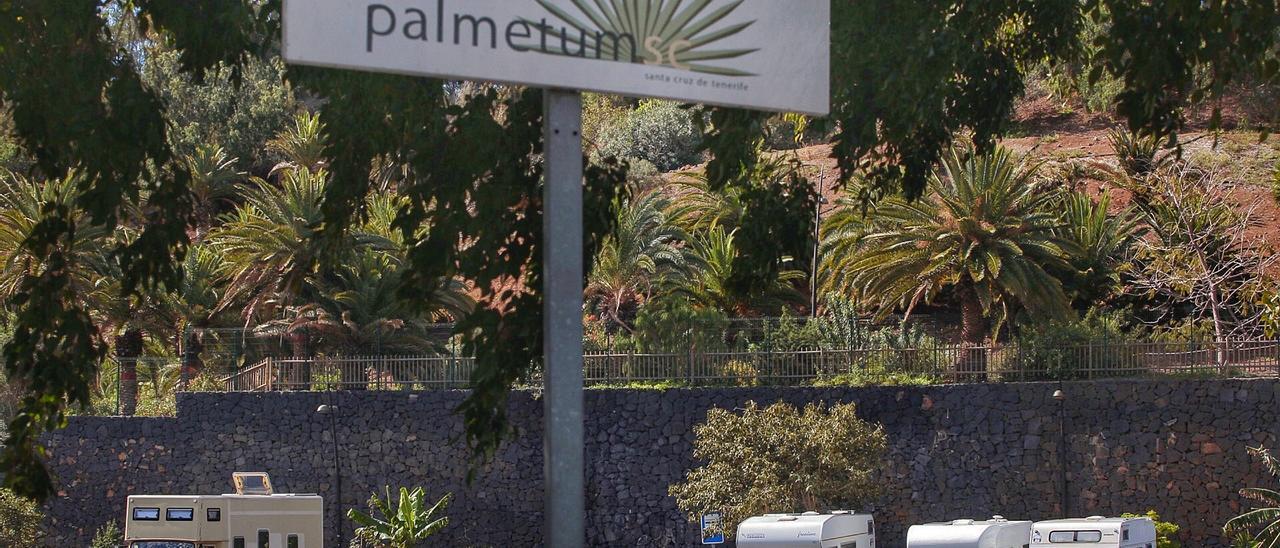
point(146, 514)
point(179, 514)
point(264, 538)
point(1075, 536)
point(1125, 534)
point(213, 514)
point(292, 541)
point(238, 542)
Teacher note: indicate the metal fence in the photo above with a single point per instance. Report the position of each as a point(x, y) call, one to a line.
point(925, 365)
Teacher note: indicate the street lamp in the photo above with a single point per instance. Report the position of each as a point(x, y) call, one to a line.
point(332, 412)
point(1061, 398)
point(817, 244)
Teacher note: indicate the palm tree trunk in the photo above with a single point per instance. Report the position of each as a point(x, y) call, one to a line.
point(973, 333)
point(128, 348)
point(300, 344)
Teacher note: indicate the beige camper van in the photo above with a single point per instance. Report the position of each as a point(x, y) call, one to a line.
point(253, 517)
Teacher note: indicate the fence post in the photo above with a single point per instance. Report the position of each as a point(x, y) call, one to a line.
point(691, 361)
point(822, 364)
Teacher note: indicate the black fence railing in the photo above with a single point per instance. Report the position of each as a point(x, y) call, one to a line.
point(881, 365)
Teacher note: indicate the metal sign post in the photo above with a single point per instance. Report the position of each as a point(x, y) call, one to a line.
point(563, 469)
point(761, 54)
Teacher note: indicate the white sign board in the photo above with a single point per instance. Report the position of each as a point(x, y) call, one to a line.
point(760, 54)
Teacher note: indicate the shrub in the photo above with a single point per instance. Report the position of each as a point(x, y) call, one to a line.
point(782, 459)
point(19, 520)
point(738, 373)
point(600, 113)
point(874, 378)
point(905, 351)
point(643, 176)
point(1165, 531)
point(673, 324)
point(107, 536)
point(660, 132)
point(1062, 350)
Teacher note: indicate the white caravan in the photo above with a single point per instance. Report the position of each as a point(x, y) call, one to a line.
point(808, 530)
point(253, 517)
point(996, 532)
point(1095, 532)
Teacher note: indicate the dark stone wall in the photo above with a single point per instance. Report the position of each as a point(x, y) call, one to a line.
point(956, 451)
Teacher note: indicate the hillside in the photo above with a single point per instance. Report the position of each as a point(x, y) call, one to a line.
point(1060, 138)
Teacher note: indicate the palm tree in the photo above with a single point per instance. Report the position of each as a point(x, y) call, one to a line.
point(302, 146)
point(93, 276)
point(699, 207)
point(643, 250)
point(213, 181)
point(1101, 244)
point(357, 311)
point(1259, 526)
point(985, 231)
point(265, 243)
point(709, 283)
point(350, 308)
point(23, 205)
point(193, 305)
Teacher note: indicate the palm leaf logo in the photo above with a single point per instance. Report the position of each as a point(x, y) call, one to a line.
point(674, 33)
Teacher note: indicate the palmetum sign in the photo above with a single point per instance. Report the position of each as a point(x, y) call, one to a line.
point(762, 54)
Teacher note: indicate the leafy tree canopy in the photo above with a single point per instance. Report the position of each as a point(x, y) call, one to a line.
point(782, 459)
point(907, 76)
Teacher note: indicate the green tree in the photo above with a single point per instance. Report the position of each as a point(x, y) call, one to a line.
point(985, 231)
point(237, 107)
point(671, 323)
point(265, 242)
point(1261, 525)
point(703, 206)
point(782, 459)
point(25, 203)
point(401, 523)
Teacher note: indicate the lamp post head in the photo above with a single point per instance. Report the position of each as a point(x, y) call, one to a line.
point(1059, 395)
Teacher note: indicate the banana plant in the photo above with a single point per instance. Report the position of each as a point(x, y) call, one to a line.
point(402, 523)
